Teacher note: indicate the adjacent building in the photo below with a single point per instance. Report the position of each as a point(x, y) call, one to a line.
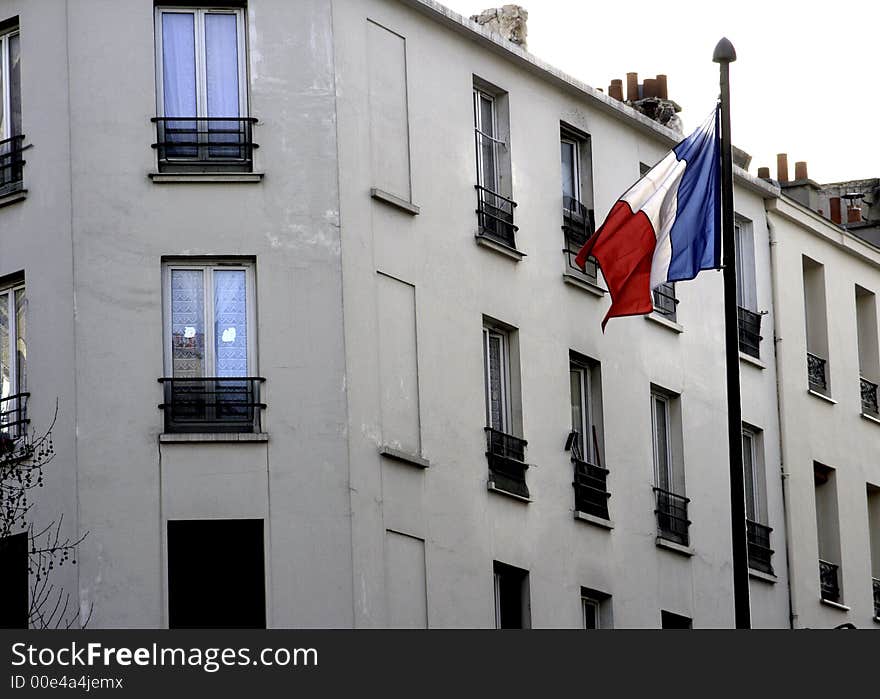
point(300, 277)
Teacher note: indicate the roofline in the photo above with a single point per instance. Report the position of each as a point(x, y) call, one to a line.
point(532, 63)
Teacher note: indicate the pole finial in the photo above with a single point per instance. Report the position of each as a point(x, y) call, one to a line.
point(724, 52)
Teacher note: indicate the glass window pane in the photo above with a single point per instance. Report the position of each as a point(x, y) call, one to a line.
point(6, 387)
point(179, 63)
point(21, 341)
point(568, 170)
point(496, 386)
point(577, 413)
point(187, 323)
point(591, 614)
point(662, 443)
point(749, 473)
point(15, 85)
point(221, 64)
point(230, 322)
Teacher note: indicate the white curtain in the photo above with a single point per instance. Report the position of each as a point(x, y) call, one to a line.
point(179, 79)
point(230, 322)
point(187, 323)
point(221, 68)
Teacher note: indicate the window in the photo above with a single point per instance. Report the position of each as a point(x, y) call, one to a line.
point(210, 360)
point(816, 322)
point(511, 597)
point(873, 495)
point(672, 506)
point(746, 289)
point(505, 449)
point(11, 138)
point(494, 204)
point(216, 574)
point(595, 609)
point(758, 533)
point(585, 440)
point(665, 301)
point(13, 361)
point(869, 357)
point(202, 89)
point(670, 620)
point(14, 581)
point(577, 198)
point(828, 533)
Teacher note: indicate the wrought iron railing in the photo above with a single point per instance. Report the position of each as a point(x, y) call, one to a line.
point(215, 404)
point(205, 143)
point(875, 583)
point(816, 372)
point(759, 551)
point(12, 162)
point(664, 300)
point(507, 456)
point(495, 216)
point(749, 332)
point(13, 422)
point(590, 489)
point(869, 397)
point(577, 222)
point(829, 582)
point(672, 519)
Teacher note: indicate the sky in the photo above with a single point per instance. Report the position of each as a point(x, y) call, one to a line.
point(804, 83)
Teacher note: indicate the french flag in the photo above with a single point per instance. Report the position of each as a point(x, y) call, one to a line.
point(665, 228)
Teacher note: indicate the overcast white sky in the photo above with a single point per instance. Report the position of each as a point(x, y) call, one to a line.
point(805, 82)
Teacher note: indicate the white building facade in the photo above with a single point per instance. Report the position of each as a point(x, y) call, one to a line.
point(332, 242)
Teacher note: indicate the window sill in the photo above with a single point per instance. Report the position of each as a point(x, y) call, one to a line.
point(192, 437)
point(396, 202)
point(669, 324)
point(835, 605)
point(203, 177)
point(754, 361)
point(822, 396)
point(404, 457)
point(592, 519)
point(583, 283)
point(500, 248)
point(871, 418)
point(672, 546)
point(13, 197)
point(761, 575)
point(490, 486)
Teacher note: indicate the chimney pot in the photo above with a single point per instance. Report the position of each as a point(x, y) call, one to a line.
point(853, 214)
point(800, 170)
point(662, 91)
point(764, 173)
point(649, 88)
point(782, 167)
point(615, 89)
point(834, 204)
point(632, 86)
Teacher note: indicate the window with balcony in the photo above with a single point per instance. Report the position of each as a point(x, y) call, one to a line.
point(873, 495)
point(760, 554)
point(578, 221)
point(505, 449)
point(671, 504)
point(665, 302)
point(816, 324)
point(11, 137)
point(210, 360)
point(869, 357)
point(746, 289)
point(512, 607)
point(13, 365)
point(202, 123)
point(495, 206)
point(828, 533)
point(585, 440)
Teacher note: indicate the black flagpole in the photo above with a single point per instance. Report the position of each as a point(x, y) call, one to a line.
point(724, 55)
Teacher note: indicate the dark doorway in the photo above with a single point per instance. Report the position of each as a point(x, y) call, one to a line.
point(216, 574)
point(14, 581)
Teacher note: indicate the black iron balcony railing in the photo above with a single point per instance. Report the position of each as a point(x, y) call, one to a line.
point(816, 374)
point(507, 461)
point(672, 518)
point(760, 553)
point(875, 582)
point(590, 489)
point(869, 397)
point(205, 144)
point(495, 216)
point(13, 422)
point(577, 222)
point(749, 332)
point(227, 404)
point(12, 162)
point(829, 582)
point(664, 300)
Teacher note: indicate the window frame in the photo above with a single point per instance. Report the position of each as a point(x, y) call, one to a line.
point(588, 601)
point(504, 356)
point(576, 165)
point(657, 396)
point(6, 83)
point(199, 14)
point(669, 315)
point(746, 277)
point(17, 383)
point(752, 498)
point(480, 132)
point(208, 268)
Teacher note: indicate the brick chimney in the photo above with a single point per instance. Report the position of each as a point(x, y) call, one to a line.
point(853, 214)
point(782, 167)
point(615, 89)
point(508, 21)
point(800, 170)
point(834, 203)
point(764, 173)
